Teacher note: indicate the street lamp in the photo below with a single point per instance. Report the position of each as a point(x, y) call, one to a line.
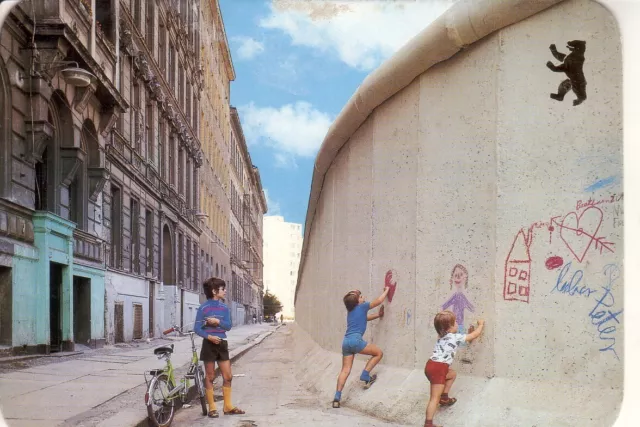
point(5, 8)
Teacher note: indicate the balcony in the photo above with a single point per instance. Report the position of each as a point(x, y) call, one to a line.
point(88, 246)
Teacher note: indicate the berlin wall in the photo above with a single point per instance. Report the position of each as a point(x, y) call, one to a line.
point(457, 174)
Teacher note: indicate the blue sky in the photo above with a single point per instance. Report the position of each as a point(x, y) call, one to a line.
point(297, 64)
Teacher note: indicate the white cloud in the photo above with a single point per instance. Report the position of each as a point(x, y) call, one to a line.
point(273, 207)
point(248, 47)
point(291, 130)
point(362, 34)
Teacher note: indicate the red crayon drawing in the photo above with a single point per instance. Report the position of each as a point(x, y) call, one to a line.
point(579, 231)
point(517, 268)
point(554, 262)
point(390, 282)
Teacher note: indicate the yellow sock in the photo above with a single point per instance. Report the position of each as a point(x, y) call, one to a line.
point(226, 394)
point(212, 403)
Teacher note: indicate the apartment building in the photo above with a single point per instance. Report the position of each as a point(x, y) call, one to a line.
point(282, 246)
point(248, 205)
point(99, 159)
point(215, 136)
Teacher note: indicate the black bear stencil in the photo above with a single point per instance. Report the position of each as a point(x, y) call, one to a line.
point(572, 67)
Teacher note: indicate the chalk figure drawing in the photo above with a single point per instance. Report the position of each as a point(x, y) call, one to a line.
point(572, 66)
point(517, 269)
point(458, 301)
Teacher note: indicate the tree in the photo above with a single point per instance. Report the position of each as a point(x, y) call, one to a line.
point(271, 303)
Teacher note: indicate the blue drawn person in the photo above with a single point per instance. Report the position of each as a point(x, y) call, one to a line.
point(458, 301)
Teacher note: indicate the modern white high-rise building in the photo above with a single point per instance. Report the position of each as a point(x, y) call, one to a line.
point(282, 246)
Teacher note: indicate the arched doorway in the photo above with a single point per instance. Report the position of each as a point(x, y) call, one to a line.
point(167, 257)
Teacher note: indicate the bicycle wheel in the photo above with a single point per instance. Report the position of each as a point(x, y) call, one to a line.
point(200, 388)
point(160, 408)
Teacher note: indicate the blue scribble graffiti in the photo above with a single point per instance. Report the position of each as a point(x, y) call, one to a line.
point(408, 316)
point(572, 287)
point(601, 316)
point(602, 183)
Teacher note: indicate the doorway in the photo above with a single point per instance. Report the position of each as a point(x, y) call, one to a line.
point(82, 310)
point(55, 309)
point(118, 321)
point(6, 306)
point(181, 308)
point(152, 299)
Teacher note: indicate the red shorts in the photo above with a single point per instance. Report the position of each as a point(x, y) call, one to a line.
point(436, 372)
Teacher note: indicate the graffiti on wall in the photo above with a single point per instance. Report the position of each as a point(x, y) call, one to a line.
point(605, 320)
point(517, 268)
point(603, 316)
point(572, 66)
point(390, 281)
point(458, 301)
point(578, 230)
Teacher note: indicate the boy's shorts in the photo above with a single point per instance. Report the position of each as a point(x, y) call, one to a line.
point(436, 372)
point(353, 345)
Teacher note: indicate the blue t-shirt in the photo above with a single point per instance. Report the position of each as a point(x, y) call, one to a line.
point(357, 319)
point(217, 309)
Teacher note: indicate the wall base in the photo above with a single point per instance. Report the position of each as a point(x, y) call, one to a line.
point(401, 395)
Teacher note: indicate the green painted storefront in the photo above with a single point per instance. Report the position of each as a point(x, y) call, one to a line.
point(56, 302)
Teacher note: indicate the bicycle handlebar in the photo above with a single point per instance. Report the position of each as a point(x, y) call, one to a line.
point(168, 331)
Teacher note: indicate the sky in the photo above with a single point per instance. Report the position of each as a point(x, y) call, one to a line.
point(297, 63)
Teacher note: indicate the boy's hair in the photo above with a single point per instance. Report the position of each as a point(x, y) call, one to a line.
point(212, 285)
point(464, 270)
point(351, 300)
point(443, 322)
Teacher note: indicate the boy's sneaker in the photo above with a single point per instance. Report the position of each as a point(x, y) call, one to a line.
point(336, 403)
point(372, 379)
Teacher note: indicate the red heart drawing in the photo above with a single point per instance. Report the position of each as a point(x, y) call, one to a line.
point(389, 282)
point(578, 232)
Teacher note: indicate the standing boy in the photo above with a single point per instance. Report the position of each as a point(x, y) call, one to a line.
point(212, 321)
point(353, 343)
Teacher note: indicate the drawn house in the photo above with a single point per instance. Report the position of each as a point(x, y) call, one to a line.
point(517, 269)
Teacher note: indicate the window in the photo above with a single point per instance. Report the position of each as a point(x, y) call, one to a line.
point(162, 46)
point(180, 258)
point(149, 25)
point(181, 171)
point(188, 263)
point(134, 210)
point(149, 239)
point(105, 20)
point(172, 162)
point(116, 227)
point(149, 129)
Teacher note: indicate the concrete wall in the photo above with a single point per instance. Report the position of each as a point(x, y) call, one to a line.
point(473, 163)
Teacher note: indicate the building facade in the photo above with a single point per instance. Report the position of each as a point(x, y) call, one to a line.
point(282, 246)
point(248, 205)
point(99, 200)
point(215, 135)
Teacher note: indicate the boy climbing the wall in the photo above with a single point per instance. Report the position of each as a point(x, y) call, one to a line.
point(353, 343)
point(437, 368)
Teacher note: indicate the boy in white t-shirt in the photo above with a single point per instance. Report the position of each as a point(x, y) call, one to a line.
point(437, 368)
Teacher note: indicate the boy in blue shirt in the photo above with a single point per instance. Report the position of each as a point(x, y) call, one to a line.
point(353, 343)
point(212, 321)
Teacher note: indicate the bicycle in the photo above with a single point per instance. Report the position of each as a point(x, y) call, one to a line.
point(162, 389)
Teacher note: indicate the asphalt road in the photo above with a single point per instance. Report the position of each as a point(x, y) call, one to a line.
point(271, 395)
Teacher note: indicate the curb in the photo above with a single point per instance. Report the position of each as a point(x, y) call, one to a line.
point(234, 355)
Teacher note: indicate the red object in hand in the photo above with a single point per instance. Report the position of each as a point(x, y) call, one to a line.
point(390, 283)
point(168, 331)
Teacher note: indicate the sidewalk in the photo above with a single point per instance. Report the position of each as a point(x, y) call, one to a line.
point(50, 394)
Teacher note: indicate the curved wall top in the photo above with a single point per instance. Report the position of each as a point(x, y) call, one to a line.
point(464, 23)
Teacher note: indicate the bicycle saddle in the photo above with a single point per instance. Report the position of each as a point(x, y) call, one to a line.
point(163, 350)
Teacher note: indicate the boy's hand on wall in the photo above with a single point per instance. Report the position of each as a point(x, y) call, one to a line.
point(381, 312)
